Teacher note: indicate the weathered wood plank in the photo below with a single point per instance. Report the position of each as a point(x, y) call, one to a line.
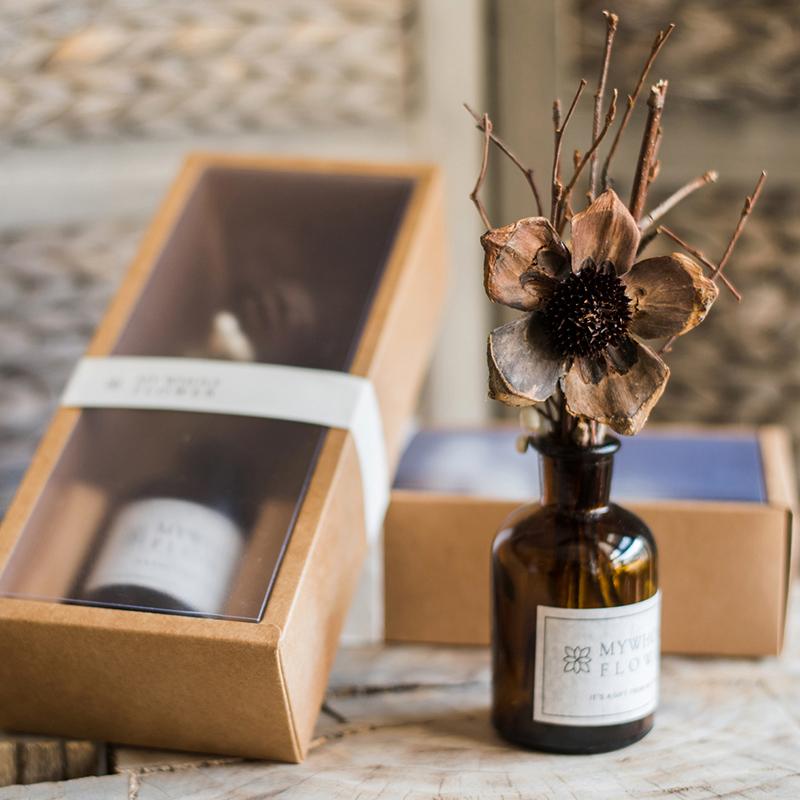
point(37, 759)
point(8, 762)
point(111, 787)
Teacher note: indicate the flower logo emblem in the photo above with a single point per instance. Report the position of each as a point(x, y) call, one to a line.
point(577, 659)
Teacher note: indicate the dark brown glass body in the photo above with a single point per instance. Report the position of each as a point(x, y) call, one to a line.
point(575, 550)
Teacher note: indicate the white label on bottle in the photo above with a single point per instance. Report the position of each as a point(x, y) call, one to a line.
point(182, 549)
point(596, 666)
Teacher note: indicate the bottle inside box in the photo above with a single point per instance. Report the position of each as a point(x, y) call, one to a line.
point(190, 513)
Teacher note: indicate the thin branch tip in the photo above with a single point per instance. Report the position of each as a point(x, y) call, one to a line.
point(749, 204)
point(658, 44)
point(560, 125)
point(676, 197)
point(612, 19)
point(651, 139)
point(701, 257)
point(506, 150)
point(475, 194)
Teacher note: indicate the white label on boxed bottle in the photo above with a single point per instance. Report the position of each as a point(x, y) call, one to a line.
point(596, 666)
point(182, 549)
point(268, 391)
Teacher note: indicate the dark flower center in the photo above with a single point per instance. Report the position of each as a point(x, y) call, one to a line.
point(588, 311)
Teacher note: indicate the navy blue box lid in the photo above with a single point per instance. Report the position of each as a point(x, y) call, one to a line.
point(652, 466)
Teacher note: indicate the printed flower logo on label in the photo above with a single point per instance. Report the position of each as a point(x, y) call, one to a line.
point(577, 659)
point(596, 666)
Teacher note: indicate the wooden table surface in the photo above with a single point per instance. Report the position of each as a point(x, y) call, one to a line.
point(412, 722)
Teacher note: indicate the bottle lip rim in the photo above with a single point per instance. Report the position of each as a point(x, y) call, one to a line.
point(548, 446)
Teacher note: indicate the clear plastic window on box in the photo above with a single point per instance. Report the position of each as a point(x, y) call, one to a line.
point(190, 513)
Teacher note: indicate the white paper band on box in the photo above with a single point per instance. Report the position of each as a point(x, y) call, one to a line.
point(269, 391)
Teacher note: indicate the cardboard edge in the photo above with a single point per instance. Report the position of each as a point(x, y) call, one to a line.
point(778, 465)
point(418, 170)
point(298, 751)
point(305, 694)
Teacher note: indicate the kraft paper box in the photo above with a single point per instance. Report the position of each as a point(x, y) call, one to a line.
point(719, 503)
point(327, 266)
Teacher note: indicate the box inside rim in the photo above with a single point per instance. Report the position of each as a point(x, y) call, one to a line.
point(294, 622)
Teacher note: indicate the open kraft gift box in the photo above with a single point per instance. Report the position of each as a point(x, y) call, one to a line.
point(328, 266)
point(720, 503)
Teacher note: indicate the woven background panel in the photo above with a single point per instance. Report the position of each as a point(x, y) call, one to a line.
point(728, 57)
point(743, 363)
point(56, 283)
point(96, 69)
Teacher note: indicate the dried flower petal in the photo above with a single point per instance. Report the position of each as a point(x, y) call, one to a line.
point(622, 356)
point(623, 402)
point(605, 231)
point(523, 369)
point(592, 369)
point(669, 295)
point(513, 251)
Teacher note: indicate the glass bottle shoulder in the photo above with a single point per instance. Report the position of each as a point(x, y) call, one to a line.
point(536, 534)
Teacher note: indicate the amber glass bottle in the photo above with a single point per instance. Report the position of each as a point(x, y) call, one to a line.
point(575, 629)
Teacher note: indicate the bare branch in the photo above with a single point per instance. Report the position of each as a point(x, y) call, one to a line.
point(655, 166)
point(474, 195)
point(612, 20)
point(660, 210)
point(560, 127)
point(504, 148)
point(701, 257)
point(646, 240)
point(716, 271)
point(564, 200)
point(644, 166)
point(749, 204)
point(659, 42)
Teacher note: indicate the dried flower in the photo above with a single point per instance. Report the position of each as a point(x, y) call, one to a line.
point(578, 357)
point(589, 311)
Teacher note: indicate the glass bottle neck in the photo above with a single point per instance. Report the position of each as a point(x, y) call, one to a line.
point(576, 480)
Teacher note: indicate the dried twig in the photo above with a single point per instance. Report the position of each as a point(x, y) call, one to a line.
point(655, 166)
point(641, 179)
point(660, 210)
point(474, 195)
point(612, 20)
point(659, 42)
point(560, 126)
point(564, 199)
point(701, 257)
point(646, 241)
point(504, 148)
point(716, 270)
point(749, 203)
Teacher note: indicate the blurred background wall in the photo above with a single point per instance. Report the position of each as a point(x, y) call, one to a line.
point(100, 99)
